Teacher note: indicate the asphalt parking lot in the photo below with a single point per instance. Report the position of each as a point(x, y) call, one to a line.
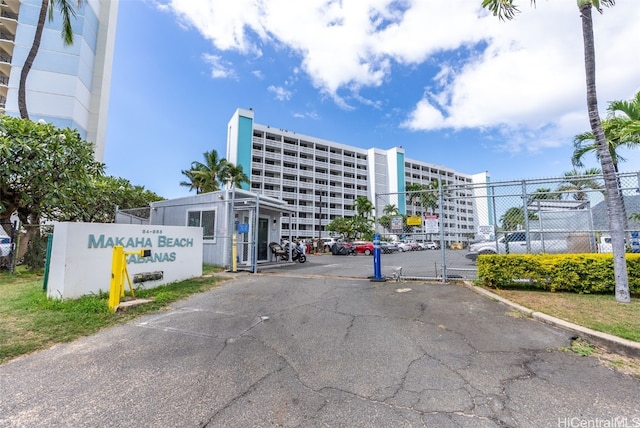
point(426, 264)
point(300, 350)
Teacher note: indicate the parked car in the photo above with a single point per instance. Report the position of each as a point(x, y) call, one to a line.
point(431, 245)
point(404, 246)
point(389, 247)
point(363, 247)
point(327, 243)
point(519, 243)
point(5, 245)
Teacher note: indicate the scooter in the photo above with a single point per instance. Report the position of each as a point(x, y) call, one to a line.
point(296, 254)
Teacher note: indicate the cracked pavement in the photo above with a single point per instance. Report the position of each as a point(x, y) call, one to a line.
point(270, 350)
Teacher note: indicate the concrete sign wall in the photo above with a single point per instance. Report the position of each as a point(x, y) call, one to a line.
point(81, 255)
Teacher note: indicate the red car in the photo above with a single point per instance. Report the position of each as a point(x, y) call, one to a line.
point(363, 247)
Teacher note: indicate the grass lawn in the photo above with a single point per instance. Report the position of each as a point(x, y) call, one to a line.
point(31, 322)
point(597, 312)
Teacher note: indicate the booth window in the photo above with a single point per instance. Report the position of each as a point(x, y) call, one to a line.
point(204, 219)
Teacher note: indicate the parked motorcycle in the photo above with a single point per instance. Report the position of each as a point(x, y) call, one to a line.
point(296, 253)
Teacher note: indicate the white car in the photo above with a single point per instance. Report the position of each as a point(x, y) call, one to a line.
point(404, 246)
point(5, 245)
point(430, 245)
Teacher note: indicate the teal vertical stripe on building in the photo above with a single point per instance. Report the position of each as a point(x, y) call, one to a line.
point(401, 185)
point(489, 202)
point(245, 137)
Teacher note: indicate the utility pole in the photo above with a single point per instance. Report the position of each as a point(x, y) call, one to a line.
point(320, 221)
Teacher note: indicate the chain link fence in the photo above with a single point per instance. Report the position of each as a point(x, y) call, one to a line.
point(133, 215)
point(555, 215)
point(7, 245)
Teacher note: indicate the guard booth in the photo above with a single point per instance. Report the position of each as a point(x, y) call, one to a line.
point(254, 219)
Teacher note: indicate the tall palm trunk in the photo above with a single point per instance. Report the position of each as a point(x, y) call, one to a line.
point(28, 63)
point(613, 194)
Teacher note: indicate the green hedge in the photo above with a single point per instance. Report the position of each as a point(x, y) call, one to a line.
point(578, 273)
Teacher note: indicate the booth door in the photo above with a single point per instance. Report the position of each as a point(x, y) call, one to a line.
point(263, 239)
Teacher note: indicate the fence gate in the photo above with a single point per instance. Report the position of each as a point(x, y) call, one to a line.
point(441, 227)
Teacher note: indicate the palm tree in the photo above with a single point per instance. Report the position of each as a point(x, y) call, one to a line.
point(617, 136)
point(544, 193)
point(616, 129)
point(194, 182)
point(425, 195)
point(390, 209)
point(505, 9)
point(579, 183)
point(233, 175)
point(205, 177)
point(363, 206)
point(67, 13)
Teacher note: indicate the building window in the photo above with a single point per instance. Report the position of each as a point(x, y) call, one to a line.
point(204, 219)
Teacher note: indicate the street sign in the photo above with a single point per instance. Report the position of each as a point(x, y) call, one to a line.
point(431, 224)
point(414, 220)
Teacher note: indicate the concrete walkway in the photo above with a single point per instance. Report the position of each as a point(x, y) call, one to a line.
point(268, 350)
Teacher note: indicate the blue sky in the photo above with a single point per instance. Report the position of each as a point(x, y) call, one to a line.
point(449, 83)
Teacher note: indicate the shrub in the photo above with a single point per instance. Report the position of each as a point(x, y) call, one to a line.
point(578, 273)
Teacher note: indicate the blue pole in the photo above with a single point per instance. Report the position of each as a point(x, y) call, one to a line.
point(377, 269)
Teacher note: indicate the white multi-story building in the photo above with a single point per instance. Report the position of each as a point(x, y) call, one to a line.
point(321, 179)
point(68, 86)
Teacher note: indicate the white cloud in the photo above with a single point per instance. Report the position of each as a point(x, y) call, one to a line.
point(281, 93)
point(522, 75)
point(220, 69)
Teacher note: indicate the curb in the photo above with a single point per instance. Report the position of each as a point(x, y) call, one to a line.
point(610, 342)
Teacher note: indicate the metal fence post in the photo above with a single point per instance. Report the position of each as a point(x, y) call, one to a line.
point(443, 254)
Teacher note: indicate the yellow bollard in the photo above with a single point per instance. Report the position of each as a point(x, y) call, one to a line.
point(119, 273)
point(116, 277)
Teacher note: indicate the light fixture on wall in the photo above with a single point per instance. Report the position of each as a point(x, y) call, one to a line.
point(274, 224)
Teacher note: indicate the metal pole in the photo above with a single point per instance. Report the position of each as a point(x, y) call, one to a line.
point(443, 253)
point(255, 234)
point(377, 269)
point(320, 223)
point(525, 212)
point(495, 219)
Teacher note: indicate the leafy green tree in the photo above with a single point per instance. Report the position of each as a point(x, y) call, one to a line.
point(106, 193)
point(67, 12)
point(385, 222)
point(506, 9)
point(513, 219)
point(44, 173)
point(343, 226)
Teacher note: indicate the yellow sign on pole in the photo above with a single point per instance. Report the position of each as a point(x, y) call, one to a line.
point(119, 273)
point(414, 220)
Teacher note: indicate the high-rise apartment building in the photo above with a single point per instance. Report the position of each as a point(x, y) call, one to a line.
point(321, 179)
point(68, 86)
